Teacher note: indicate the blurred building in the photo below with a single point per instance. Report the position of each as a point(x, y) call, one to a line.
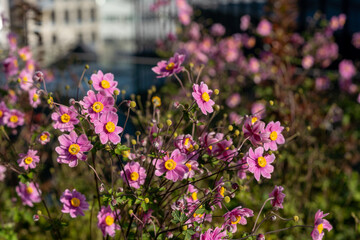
point(53, 27)
point(4, 18)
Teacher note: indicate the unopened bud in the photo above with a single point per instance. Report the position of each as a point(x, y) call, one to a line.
point(196, 147)
point(123, 92)
point(86, 66)
point(71, 101)
point(36, 218)
point(132, 104)
point(271, 102)
point(146, 200)
point(169, 122)
point(38, 76)
point(184, 228)
point(230, 127)
point(160, 125)
point(133, 141)
point(227, 199)
point(216, 91)
point(237, 132)
point(67, 87)
point(296, 218)
point(260, 237)
point(131, 212)
point(116, 92)
point(137, 133)
point(273, 218)
point(216, 107)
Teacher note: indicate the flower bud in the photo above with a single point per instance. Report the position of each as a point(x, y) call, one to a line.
point(71, 101)
point(260, 237)
point(237, 132)
point(116, 92)
point(38, 76)
point(123, 92)
point(184, 228)
point(160, 125)
point(132, 104)
point(273, 218)
point(196, 147)
point(271, 102)
point(296, 218)
point(216, 107)
point(146, 200)
point(216, 91)
point(39, 212)
point(169, 122)
point(227, 199)
point(230, 127)
point(86, 66)
point(133, 141)
point(131, 212)
point(67, 87)
point(137, 133)
point(36, 218)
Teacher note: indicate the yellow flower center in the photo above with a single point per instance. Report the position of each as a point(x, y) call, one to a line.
point(170, 164)
point(261, 161)
point(110, 127)
point(25, 79)
point(188, 145)
point(222, 191)
point(105, 84)
point(23, 56)
point(170, 66)
point(29, 190)
point(210, 148)
point(35, 97)
point(253, 120)
point(14, 119)
point(205, 96)
point(75, 202)
point(16, 63)
point(31, 67)
point(65, 118)
point(134, 176)
point(43, 137)
point(238, 218)
point(125, 154)
point(189, 166)
point(198, 215)
point(1, 113)
point(28, 160)
point(320, 228)
point(109, 220)
point(74, 149)
point(273, 135)
point(97, 107)
point(194, 196)
point(156, 101)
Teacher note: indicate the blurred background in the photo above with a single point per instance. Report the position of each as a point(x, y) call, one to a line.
point(121, 36)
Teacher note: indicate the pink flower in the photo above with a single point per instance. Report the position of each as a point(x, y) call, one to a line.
point(213, 234)
point(26, 81)
point(74, 203)
point(356, 40)
point(233, 100)
point(259, 164)
point(30, 66)
point(254, 65)
point(235, 118)
point(202, 96)
point(34, 98)
point(319, 225)
point(173, 166)
point(11, 66)
point(237, 216)
point(221, 150)
point(243, 168)
point(107, 127)
point(217, 30)
point(65, 118)
point(264, 28)
point(244, 22)
point(14, 118)
point(72, 148)
point(12, 38)
point(25, 53)
point(274, 129)
point(307, 62)
point(29, 193)
point(3, 110)
point(2, 173)
point(97, 104)
point(106, 221)
point(258, 110)
point(347, 69)
point(28, 160)
point(168, 68)
point(135, 174)
point(254, 130)
point(322, 83)
point(184, 12)
point(44, 138)
point(192, 166)
point(104, 83)
point(185, 144)
point(278, 196)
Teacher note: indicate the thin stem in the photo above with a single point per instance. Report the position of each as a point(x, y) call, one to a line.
point(257, 218)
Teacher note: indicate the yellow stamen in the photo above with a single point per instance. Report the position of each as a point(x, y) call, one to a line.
point(109, 220)
point(125, 154)
point(134, 176)
point(23, 56)
point(43, 137)
point(238, 218)
point(75, 202)
point(97, 107)
point(170, 164)
point(194, 196)
point(105, 84)
point(188, 145)
point(110, 127)
point(35, 97)
point(253, 120)
point(156, 101)
point(74, 149)
point(29, 190)
point(170, 66)
point(222, 191)
point(273, 136)
point(261, 161)
point(189, 166)
point(25, 79)
point(320, 228)
point(28, 160)
point(65, 118)
point(205, 96)
point(210, 148)
point(1, 113)
point(14, 119)
point(16, 63)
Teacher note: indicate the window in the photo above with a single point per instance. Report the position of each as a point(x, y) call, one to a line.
point(93, 15)
point(66, 16)
point(53, 17)
point(79, 15)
